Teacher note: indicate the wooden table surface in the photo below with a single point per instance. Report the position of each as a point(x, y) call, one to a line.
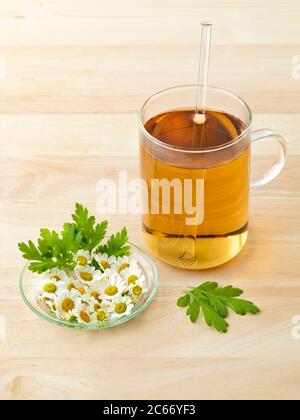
point(73, 75)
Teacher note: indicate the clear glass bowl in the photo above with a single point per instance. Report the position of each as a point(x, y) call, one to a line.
point(28, 283)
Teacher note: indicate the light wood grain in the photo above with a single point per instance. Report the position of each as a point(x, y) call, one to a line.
point(77, 73)
point(117, 79)
point(148, 22)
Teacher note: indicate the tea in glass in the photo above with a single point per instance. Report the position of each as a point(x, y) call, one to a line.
point(225, 176)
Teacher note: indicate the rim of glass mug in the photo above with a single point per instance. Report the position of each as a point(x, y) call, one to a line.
point(208, 149)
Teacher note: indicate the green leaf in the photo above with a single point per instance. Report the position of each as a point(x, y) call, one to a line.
point(183, 301)
point(193, 311)
point(219, 307)
point(214, 320)
point(209, 285)
point(70, 239)
point(242, 307)
point(30, 251)
point(229, 291)
point(57, 249)
point(214, 302)
point(91, 234)
point(116, 244)
point(98, 234)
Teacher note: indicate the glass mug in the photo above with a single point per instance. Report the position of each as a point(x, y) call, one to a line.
point(195, 201)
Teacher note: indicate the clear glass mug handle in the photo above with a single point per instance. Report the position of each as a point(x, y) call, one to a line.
point(277, 167)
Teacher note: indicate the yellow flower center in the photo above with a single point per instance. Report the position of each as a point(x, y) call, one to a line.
point(67, 305)
point(70, 286)
point(120, 308)
point(81, 260)
point(81, 290)
point(86, 276)
point(85, 316)
point(137, 290)
point(111, 290)
point(123, 266)
point(57, 278)
point(101, 316)
point(97, 307)
point(50, 288)
point(104, 264)
point(95, 294)
point(132, 279)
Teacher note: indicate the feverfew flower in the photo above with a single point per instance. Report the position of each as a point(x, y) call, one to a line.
point(69, 284)
point(66, 301)
point(82, 257)
point(49, 287)
point(93, 291)
point(93, 305)
point(122, 263)
point(123, 305)
point(93, 286)
point(87, 273)
point(112, 287)
point(105, 261)
point(80, 287)
point(132, 274)
point(136, 290)
point(56, 274)
point(83, 315)
point(101, 315)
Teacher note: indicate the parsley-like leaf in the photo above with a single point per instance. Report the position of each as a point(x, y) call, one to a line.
point(51, 251)
point(213, 302)
point(116, 244)
point(92, 234)
point(57, 249)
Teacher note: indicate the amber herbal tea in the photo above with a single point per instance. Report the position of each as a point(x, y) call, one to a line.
point(208, 158)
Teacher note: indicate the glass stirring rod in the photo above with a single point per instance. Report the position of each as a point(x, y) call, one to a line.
point(189, 258)
point(199, 117)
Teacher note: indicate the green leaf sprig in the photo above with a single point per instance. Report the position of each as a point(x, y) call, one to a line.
point(116, 244)
point(213, 302)
point(56, 250)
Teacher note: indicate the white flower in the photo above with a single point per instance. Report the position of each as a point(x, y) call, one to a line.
point(136, 290)
point(123, 305)
point(112, 287)
point(93, 305)
point(132, 274)
point(56, 274)
point(93, 291)
point(83, 315)
point(102, 315)
point(80, 287)
point(105, 261)
point(86, 295)
point(69, 284)
point(66, 301)
point(87, 274)
point(49, 287)
point(107, 306)
point(82, 257)
point(46, 302)
point(104, 276)
point(122, 263)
